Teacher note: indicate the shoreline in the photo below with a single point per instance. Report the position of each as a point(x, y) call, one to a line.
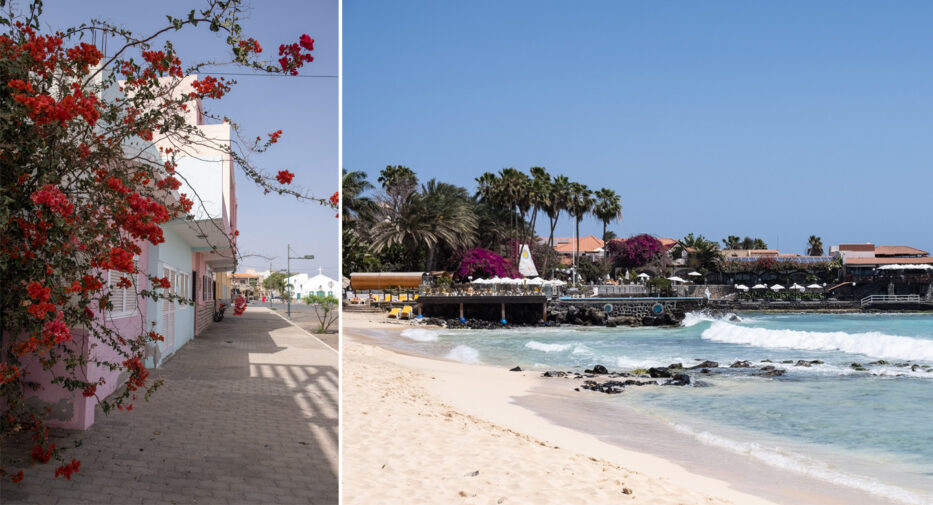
point(523, 403)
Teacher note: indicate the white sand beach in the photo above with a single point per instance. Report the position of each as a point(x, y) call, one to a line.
point(419, 430)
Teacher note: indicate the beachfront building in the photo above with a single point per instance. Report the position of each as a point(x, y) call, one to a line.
point(885, 269)
point(589, 247)
point(321, 285)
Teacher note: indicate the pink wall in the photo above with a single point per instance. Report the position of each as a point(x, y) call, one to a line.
point(71, 409)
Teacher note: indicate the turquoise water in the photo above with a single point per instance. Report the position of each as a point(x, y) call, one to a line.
point(871, 430)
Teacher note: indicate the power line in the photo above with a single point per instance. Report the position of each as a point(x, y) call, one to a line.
point(245, 74)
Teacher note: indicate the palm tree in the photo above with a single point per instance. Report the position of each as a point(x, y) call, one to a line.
point(608, 207)
point(558, 200)
point(356, 207)
point(815, 246)
point(581, 204)
point(539, 193)
point(439, 216)
point(398, 182)
point(705, 254)
point(732, 242)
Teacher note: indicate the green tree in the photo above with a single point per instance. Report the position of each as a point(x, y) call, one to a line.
point(356, 207)
point(580, 204)
point(439, 216)
point(608, 207)
point(558, 200)
point(275, 282)
point(732, 242)
point(815, 246)
point(326, 310)
point(703, 254)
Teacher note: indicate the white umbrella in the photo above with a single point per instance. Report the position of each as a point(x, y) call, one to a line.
point(644, 276)
point(759, 286)
point(480, 281)
point(814, 286)
point(695, 274)
point(777, 287)
point(676, 279)
point(798, 287)
point(905, 267)
point(557, 282)
point(495, 280)
point(743, 287)
point(537, 281)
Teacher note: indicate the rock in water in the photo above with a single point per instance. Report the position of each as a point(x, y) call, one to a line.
point(656, 373)
point(516, 369)
point(741, 364)
point(598, 369)
point(707, 364)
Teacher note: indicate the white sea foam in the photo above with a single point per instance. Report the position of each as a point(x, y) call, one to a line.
point(540, 346)
point(421, 335)
point(870, 343)
point(627, 363)
point(802, 464)
point(581, 349)
point(695, 318)
point(464, 354)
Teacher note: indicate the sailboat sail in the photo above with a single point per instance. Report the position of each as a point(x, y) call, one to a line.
point(526, 265)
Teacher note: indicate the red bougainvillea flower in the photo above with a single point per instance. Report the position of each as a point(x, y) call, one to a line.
point(38, 292)
point(54, 199)
point(68, 469)
point(284, 177)
point(274, 136)
point(239, 306)
point(18, 477)
point(90, 390)
point(42, 455)
point(335, 198)
point(57, 330)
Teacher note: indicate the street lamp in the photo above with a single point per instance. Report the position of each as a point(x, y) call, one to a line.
point(288, 275)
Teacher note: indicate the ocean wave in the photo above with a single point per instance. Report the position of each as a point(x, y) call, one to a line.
point(581, 349)
point(873, 343)
point(464, 354)
point(421, 335)
point(802, 464)
point(540, 346)
point(695, 318)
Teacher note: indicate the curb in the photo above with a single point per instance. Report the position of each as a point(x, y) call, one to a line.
point(302, 329)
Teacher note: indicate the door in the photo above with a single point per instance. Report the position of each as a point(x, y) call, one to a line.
point(168, 309)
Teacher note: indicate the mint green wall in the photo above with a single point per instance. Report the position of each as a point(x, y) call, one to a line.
point(174, 253)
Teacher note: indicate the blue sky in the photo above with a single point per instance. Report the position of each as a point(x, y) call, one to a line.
point(770, 119)
point(306, 109)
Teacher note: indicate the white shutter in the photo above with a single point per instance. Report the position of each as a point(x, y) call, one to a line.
point(116, 294)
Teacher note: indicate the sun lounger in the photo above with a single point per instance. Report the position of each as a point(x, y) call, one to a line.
point(406, 312)
point(403, 298)
point(388, 298)
point(394, 313)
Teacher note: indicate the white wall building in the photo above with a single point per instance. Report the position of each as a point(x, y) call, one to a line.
point(320, 284)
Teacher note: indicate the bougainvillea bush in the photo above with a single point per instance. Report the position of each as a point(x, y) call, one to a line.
point(484, 263)
point(80, 200)
point(634, 252)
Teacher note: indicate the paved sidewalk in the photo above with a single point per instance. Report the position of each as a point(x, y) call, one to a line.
point(247, 414)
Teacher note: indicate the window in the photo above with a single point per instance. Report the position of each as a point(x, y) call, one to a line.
point(124, 300)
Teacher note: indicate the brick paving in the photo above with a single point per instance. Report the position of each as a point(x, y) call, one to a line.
point(247, 414)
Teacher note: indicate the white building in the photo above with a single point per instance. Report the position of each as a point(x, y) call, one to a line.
point(320, 284)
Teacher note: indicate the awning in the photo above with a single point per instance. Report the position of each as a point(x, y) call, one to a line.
point(385, 280)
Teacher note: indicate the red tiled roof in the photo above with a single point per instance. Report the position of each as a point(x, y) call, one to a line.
point(857, 247)
point(898, 250)
point(667, 242)
point(587, 244)
point(927, 260)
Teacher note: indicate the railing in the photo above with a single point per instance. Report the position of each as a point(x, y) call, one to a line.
point(868, 300)
point(621, 290)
